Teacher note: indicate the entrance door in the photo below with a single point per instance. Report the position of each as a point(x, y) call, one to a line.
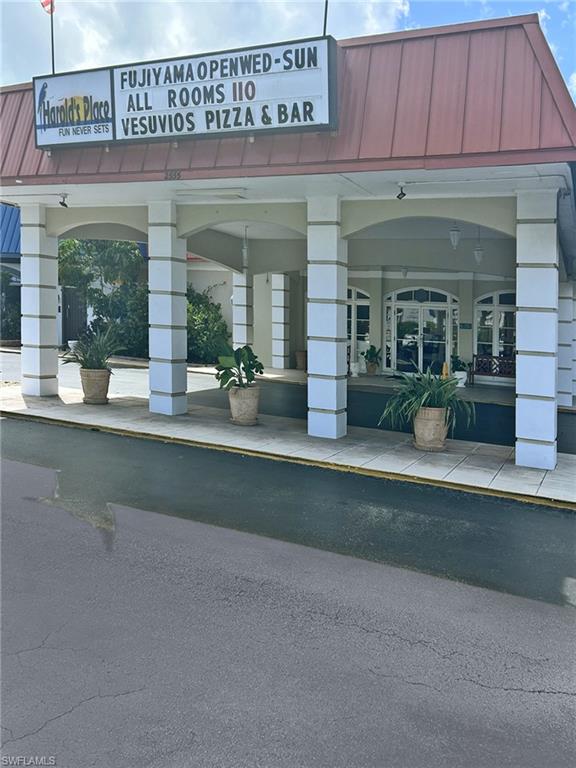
point(421, 338)
point(73, 314)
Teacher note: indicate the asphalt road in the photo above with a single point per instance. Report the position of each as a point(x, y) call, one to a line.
point(133, 638)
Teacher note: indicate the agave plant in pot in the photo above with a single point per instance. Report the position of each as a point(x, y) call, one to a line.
point(431, 405)
point(236, 373)
point(92, 353)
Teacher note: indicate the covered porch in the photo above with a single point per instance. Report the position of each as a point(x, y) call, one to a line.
point(441, 226)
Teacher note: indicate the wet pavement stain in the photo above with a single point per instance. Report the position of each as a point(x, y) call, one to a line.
point(509, 546)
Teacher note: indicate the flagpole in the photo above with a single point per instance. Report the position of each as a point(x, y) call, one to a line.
point(325, 17)
point(52, 38)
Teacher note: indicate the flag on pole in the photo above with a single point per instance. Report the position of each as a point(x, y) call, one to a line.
point(49, 6)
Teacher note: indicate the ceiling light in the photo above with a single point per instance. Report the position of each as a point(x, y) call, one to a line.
point(18, 181)
point(455, 234)
point(404, 273)
point(62, 201)
point(245, 249)
point(401, 195)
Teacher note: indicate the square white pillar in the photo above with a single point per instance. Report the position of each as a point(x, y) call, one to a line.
point(326, 320)
point(537, 299)
point(242, 309)
point(565, 334)
point(167, 307)
point(280, 321)
point(39, 297)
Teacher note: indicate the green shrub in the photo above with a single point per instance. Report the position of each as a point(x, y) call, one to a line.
point(9, 307)
point(207, 330)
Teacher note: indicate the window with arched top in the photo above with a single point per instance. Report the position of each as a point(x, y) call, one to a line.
point(358, 321)
point(495, 324)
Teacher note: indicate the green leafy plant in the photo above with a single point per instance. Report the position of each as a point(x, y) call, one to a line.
point(457, 364)
point(426, 390)
point(372, 355)
point(238, 368)
point(94, 350)
point(207, 330)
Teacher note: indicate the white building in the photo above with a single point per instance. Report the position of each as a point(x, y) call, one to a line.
point(430, 210)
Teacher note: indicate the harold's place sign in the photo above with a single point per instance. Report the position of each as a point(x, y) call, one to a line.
point(290, 86)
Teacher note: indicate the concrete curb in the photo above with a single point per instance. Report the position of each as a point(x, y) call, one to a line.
point(542, 501)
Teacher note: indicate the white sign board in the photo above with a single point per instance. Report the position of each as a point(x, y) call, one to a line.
point(73, 109)
point(289, 86)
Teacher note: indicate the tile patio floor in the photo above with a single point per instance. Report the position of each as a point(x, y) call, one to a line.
point(472, 466)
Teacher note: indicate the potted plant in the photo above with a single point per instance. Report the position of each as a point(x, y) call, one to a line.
point(236, 373)
point(301, 359)
point(92, 353)
point(431, 404)
point(459, 370)
point(373, 358)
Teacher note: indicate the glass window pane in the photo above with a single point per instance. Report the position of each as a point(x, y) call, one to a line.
point(349, 293)
point(362, 295)
point(421, 295)
point(506, 350)
point(507, 298)
point(487, 300)
point(455, 332)
point(484, 349)
point(435, 296)
point(485, 335)
point(405, 296)
point(363, 311)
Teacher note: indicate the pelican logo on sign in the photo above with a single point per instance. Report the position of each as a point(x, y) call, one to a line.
point(73, 109)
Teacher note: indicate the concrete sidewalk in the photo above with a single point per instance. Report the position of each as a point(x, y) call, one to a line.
point(469, 466)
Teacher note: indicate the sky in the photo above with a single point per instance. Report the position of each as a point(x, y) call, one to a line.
point(94, 33)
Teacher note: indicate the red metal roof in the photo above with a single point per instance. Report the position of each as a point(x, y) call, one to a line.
point(482, 93)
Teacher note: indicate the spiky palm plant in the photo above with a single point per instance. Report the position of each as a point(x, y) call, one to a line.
point(426, 390)
point(94, 350)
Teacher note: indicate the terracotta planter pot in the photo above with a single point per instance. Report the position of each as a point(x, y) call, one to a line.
point(371, 369)
point(430, 429)
point(95, 385)
point(301, 359)
point(244, 405)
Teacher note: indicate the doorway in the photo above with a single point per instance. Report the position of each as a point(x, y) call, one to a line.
point(421, 330)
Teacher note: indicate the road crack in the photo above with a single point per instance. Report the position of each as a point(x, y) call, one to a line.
point(514, 689)
point(69, 711)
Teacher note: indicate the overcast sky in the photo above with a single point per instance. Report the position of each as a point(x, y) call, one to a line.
point(92, 33)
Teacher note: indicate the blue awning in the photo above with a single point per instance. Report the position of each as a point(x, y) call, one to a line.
point(9, 231)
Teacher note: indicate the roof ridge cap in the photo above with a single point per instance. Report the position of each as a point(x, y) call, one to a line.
point(444, 29)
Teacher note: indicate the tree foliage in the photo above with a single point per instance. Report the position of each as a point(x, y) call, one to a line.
point(110, 275)
point(207, 330)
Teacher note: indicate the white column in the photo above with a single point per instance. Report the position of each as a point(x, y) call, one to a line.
point(565, 321)
point(574, 344)
point(280, 321)
point(327, 339)
point(536, 329)
point(242, 309)
point(166, 311)
point(39, 280)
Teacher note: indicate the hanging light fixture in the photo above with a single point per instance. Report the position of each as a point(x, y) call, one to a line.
point(245, 248)
point(478, 250)
point(455, 234)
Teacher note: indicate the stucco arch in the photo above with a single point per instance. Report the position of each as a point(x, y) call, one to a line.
point(193, 219)
point(102, 223)
point(497, 213)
